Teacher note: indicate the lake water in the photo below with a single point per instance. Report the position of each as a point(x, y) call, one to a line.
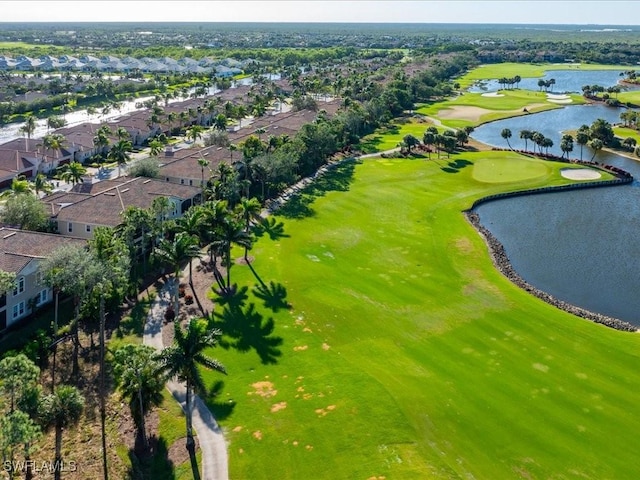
point(581, 246)
point(567, 81)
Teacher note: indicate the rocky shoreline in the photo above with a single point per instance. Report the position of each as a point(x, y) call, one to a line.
point(502, 263)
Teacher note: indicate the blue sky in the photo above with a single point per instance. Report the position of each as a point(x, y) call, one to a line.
point(612, 12)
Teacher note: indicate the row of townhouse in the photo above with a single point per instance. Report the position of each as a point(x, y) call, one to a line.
point(110, 63)
point(28, 156)
point(91, 204)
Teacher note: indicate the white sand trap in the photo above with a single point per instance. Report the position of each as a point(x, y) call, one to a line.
point(580, 173)
point(492, 94)
point(558, 98)
point(465, 112)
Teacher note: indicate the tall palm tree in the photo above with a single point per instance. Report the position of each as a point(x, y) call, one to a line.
point(248, 210)
point(182, 359)
point(119, 153)
point(203, 162)
point(135, 372)
point(506, 134)
point(174, 253)
point(526, 135)
point(28, 128)
point(62, 409)
point(232, 232)
point(155, 147)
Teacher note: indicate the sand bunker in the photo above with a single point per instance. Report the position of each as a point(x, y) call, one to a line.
point(580, 173)
point(463, 112)
point(558, 98)
point(492, 94)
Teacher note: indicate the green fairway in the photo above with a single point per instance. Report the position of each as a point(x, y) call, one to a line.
point(486, 108)
point(405, 354)
point(387, 139)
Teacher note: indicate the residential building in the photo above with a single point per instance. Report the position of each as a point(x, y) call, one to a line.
point(22, 254)
point(93, 204)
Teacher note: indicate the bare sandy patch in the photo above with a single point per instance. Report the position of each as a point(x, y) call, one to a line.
point(558, 98)
point(237, 429)
point(326, 346)
point(263, 389)
point(580, 174)
point(474, 114)
point(463, 112)
point(492, 94)
point(276, 407)
point(300, 348)
point(257, 435)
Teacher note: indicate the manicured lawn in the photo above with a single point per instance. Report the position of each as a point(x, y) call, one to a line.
point(405, 354)
point(384, 140)
point(511, 103)
point(625, 132)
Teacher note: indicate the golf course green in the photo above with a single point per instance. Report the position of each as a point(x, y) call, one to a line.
point(383, 343)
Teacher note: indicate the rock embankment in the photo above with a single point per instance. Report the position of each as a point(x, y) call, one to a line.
point(502, 263)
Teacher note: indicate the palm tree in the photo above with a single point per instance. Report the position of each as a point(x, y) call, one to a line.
point(566, 145)
point(19, 185)
point(506, 134)
point(72, 172)
point(248, 210)
point(203, 162)
point(582, 137)
point(61, 409)
point(28, 128)
point(175, 252)
point(525, 135)
point(101, 139)
point(596, 145)
point(194, 133)
point(183, 358)
point(410, 141)
point(119, 153)
point(41, 184)
point(220, 122)
point(155, 147)
point(171, 117)
point(134, 371)
point(232, 232)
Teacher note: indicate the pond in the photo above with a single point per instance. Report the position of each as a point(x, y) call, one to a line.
point(581, 246)
point(567, 81)
point(551, 124)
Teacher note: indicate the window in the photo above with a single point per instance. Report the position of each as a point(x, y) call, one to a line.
point(18, 310)
point(191, 182)
point(19, 288)
point(88, 228)
point(42, 297)
point(39, 278)
point(182, 181)
point(70, 227)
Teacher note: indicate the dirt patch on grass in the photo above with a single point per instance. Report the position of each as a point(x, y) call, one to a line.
point(263, 389)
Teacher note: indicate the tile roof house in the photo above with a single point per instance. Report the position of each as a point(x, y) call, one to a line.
point(22, 253)
point(90, 205)
point(182, 167)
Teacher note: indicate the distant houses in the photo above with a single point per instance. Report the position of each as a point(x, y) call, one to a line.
point(110, 64)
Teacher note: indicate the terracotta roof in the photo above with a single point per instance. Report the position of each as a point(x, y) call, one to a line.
point(19, 247)
point(105, 207)
point(187, 166)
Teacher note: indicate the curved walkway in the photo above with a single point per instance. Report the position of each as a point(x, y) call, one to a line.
point(214, 449)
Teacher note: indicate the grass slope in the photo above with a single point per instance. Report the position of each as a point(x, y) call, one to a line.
point(406, 355)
